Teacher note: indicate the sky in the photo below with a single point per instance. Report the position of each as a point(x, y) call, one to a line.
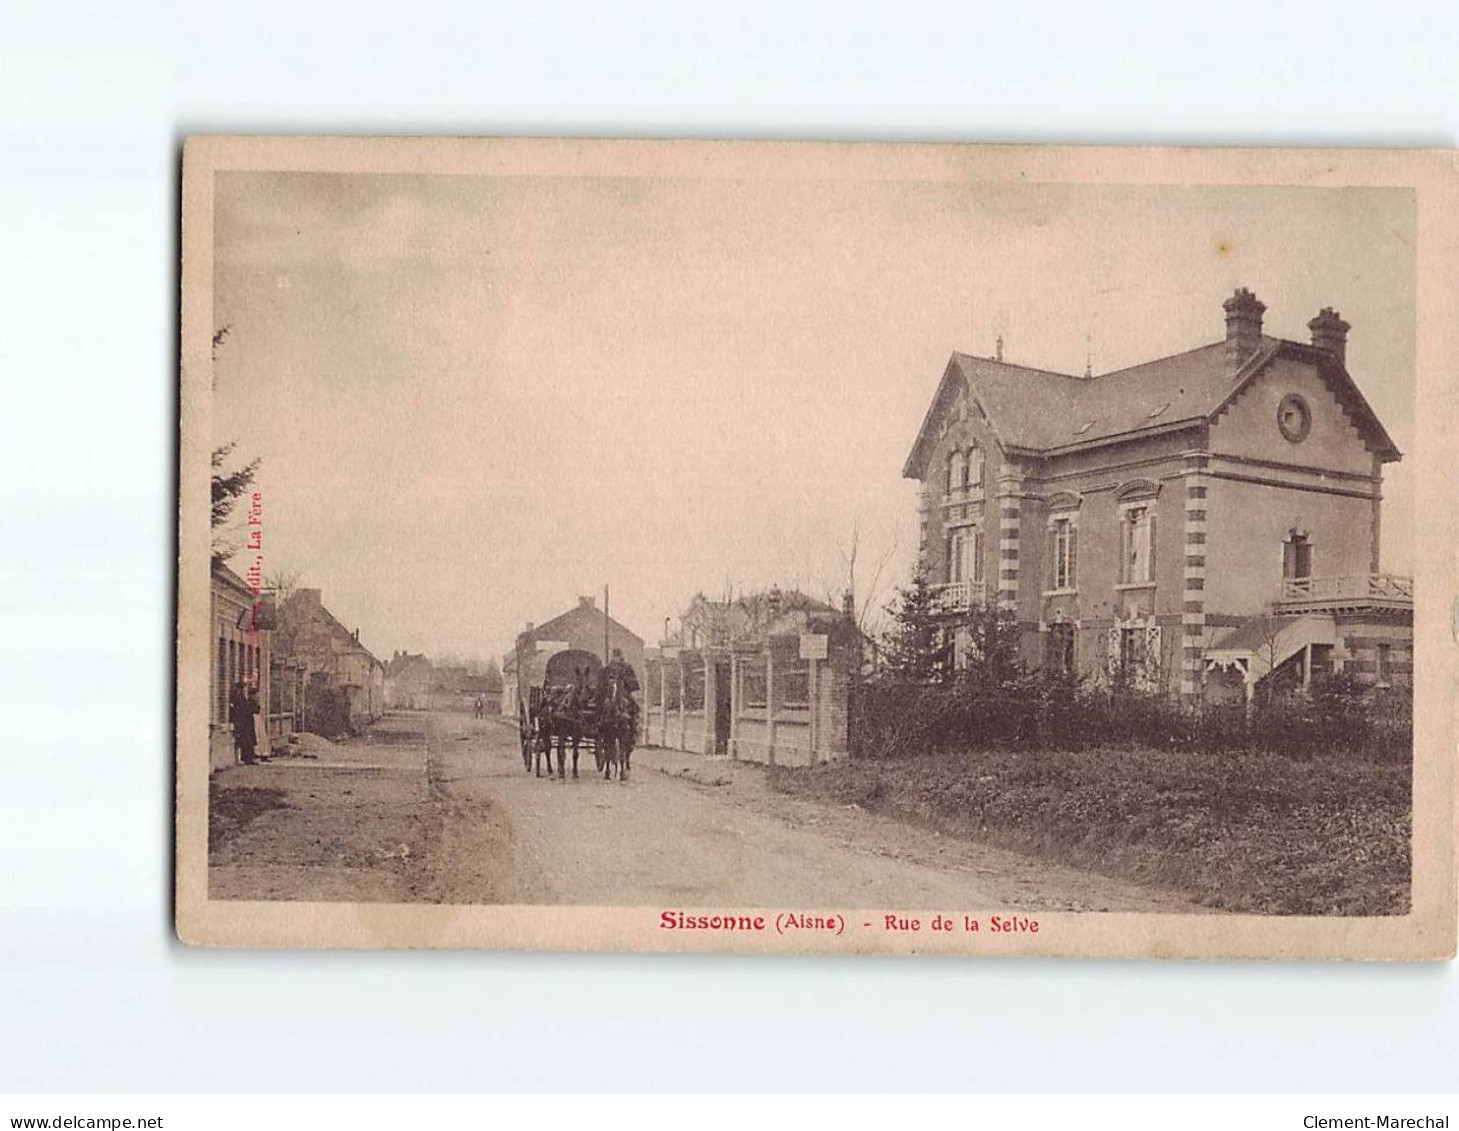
point(477, 398)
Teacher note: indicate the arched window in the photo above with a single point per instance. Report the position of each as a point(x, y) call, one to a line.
point(957, 471)
point(1061, 572)
point(1137, 506)
point(1137, 542)
point(1297, 555)
point(975, 466)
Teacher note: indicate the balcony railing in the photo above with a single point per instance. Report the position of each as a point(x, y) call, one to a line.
point(958, 596)
point(1369, 590)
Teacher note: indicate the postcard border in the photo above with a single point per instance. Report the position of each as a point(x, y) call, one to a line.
point(1427, 932)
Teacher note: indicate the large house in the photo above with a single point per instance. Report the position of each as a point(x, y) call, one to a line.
point(1193, 523)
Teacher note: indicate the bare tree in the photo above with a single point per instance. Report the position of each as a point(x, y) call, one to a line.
point(1269, 628)
point(865, 578)
point(281, 583)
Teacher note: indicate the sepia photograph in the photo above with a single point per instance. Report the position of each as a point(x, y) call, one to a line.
point(869, 566)
point(811, 548)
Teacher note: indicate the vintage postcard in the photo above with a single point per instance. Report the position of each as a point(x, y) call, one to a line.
point(816, 548)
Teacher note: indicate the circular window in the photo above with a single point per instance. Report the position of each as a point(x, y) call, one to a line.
point(1294, 418)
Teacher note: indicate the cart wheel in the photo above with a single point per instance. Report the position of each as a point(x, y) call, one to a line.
point(524, 733)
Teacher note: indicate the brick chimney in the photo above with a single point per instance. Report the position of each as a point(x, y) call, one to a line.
point(1330, 333)
point(587, 602)
point(1243, 327)
point(848, 604)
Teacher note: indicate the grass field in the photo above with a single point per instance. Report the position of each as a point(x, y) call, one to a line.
point(1249, 832)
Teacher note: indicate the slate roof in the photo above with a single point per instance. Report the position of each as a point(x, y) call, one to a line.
point(1251, 635)
point(332, 625)
point(1038, 411)
point(544, 631)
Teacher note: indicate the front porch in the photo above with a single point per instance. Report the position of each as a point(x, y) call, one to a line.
point(1352, 624)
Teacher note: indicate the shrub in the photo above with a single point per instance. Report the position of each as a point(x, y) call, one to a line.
point(894, 716)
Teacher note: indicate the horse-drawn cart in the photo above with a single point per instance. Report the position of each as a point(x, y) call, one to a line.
point(570, 703)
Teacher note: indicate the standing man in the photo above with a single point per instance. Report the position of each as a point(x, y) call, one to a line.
point(241, 709)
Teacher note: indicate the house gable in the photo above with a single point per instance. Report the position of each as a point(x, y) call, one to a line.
point(583, 620)
point(964, 431)
point(1294, 411)
point(957, 410)
point(951, 386)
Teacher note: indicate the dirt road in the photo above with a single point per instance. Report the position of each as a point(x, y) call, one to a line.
point(440, 809)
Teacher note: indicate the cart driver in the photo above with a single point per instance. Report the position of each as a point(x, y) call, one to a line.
point(618, 669)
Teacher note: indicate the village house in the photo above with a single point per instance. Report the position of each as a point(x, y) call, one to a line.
point(764, 677)
point(242, 650)
point(409, 677)
point(1192, 524)
point(553, 652)
point(344, 684)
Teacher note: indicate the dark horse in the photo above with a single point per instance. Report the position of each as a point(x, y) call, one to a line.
point(617, 730)
point(564, 719)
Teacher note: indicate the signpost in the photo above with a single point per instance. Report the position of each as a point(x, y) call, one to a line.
point(814, 647)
